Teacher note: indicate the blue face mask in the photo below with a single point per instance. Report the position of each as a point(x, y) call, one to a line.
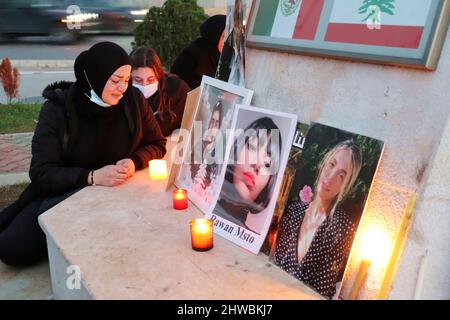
point(94, 97)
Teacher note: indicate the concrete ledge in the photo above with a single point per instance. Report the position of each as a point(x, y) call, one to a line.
point(127, 242)
point(10, 179)
point(43, 64)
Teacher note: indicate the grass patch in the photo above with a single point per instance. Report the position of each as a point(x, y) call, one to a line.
point(19, 117)
point(9, 194)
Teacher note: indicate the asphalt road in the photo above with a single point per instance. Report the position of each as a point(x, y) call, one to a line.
point(38, 49)
point(34, 80)
point(32, 83)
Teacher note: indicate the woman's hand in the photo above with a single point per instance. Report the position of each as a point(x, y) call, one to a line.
point(128, 164)
point(110, 176)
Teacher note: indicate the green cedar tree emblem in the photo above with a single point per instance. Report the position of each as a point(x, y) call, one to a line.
point(373, 7)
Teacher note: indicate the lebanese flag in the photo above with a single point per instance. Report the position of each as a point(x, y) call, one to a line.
point(404, 29)
point(300, 23)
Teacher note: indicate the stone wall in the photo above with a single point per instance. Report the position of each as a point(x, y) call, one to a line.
point(407, 109)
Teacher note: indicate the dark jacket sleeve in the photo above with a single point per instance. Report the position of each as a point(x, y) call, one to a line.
point(185, 67)
point(178, 90)
point(47, 171)
point(153, 143)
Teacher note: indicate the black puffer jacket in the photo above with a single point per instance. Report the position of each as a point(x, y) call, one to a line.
point(60, 138)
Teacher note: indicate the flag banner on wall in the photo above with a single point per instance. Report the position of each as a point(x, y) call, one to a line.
point(390, 23)
point(294, 19)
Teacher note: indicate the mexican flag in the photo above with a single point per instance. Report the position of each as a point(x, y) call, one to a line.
point(399, 23)
point(293, 19)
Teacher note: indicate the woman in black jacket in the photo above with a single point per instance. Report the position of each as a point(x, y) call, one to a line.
point(165, 93)
point(96, 131)
point(202, 56)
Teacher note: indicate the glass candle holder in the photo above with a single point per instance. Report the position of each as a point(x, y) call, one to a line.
point(201, 234)
point(180, 199)
point(157, 169)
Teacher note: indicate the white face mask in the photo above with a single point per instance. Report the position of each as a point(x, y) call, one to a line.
point(97, 100)
point(147, 90)
point(94, 97)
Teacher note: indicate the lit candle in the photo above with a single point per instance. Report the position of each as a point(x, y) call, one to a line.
point(157, 169)
point(201, 234)
point(360, 278)
point(180, 201)
point(374, 248)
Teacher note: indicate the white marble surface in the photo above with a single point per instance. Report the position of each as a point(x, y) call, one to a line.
point(130, 244)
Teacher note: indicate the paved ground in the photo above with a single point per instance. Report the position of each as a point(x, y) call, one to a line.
point(20, 283)
point(15, 152)
point(32, 283)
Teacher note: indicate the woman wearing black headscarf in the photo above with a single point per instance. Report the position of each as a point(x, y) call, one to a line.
point(202, 56)
point(96, 131)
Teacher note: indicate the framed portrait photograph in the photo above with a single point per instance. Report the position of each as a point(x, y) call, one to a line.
point(327, 198)
point(205, 151)
point(256, 158)
point(399, 32)
point(232, 58)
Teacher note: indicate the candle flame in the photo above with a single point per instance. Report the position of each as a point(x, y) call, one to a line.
point(202, 225)
point(157, 169)
point(375, 246)
point(179, 195)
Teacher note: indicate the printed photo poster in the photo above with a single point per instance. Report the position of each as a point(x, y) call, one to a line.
point(256, 156)
point(231, 66)
point(203, 160)
point(288, 179)
point(325, 205)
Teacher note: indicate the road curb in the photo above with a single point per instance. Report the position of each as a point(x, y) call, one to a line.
point(10, 179)
point(42, 64)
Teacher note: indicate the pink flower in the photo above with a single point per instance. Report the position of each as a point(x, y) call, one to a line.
point(306, 194)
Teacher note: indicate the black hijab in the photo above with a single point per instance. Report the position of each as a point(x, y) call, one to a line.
point(98, 64)
point(212, 29)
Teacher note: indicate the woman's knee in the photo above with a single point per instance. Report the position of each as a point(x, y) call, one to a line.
point(16, 258)
point(21, 253)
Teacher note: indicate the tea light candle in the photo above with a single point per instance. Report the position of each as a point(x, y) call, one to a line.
point(180, 200)
point(201, 234)
point(157, 169)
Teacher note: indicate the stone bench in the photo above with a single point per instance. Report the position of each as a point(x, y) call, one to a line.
point(128, 243)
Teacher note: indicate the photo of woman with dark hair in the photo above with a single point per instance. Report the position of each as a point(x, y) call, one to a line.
point(315, 233)
point(203, 174)
point(249, 182)
point(203, 160)
point(256, 156)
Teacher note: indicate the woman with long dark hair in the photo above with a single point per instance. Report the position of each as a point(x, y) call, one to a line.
point(251, 174)
point(166, 93)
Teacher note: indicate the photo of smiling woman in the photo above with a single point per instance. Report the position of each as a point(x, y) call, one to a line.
point(256, 160)
point(315, 233)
